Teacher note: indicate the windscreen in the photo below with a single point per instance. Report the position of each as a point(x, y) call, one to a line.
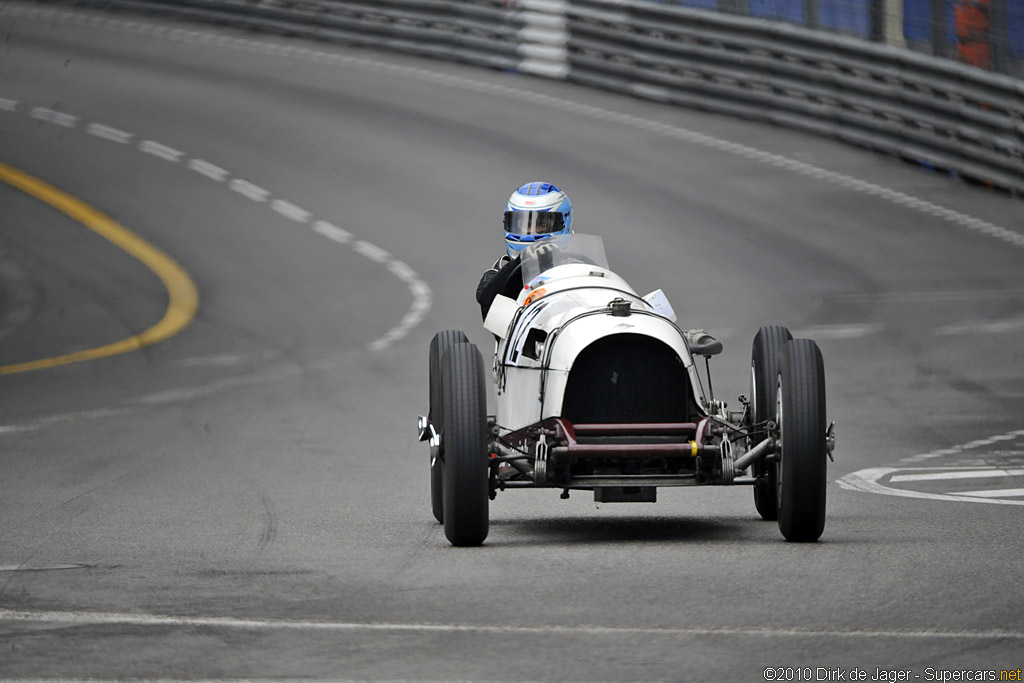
point(561, 250)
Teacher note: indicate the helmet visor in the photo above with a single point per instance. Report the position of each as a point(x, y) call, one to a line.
point(533, 222)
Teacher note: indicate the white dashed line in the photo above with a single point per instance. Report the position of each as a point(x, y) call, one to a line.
point(161, 151)
point(289, 210)
point(983, 328)
point(108, 133)
point(402, 271)
point(929, 297)
point(333, 232)
point(248, 190)
point(207, 169)
point(854, 331)
point(971, 445)
point(56, 117)
point(371, 251)
point(256, 624)
point(692, 137)
point(8, 105)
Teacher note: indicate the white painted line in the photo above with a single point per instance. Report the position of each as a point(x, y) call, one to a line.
point(52, 420)
point(997, 493)
point(255, 624)
point(51, 116)
point(145, 402)
point(868, 481)
point(207, 169)
point(161, 151)
point(218, 360)
point(41, 567)
point(108, 133)
point(333, 232)
point(855, 184)
point(248, 190)
point(402, 271)
point(991, 327)
point(953, 450)
point(968, 474)
point(8, 105)
point(289, 210)
point(854, 331)
point(926, 297)
point(371, 251)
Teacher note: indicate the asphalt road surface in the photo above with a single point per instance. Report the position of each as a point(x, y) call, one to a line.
point(245, 499)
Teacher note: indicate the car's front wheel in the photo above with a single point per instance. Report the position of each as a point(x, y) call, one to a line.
point(801, 447)
point(764, 371)
point(466, 466)
point(441, 342)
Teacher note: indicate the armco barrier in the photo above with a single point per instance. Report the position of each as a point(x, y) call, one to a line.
point(944, 114)
point(947, 115)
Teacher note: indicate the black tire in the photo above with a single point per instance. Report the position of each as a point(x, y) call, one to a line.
point(441, 342)
point(802, 450)
point(764, 372)
point(466, 466)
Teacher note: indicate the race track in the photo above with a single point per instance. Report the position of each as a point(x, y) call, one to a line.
point(245, 499)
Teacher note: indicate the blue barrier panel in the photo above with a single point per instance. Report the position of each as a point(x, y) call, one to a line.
point(852, 17)
point(785, 10)
point(1015, 27)
point(917, 21)
point(700, 4)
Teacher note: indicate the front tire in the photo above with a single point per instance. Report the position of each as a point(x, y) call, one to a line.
point(441, 342)
point(802, 448)
point(466, 466)
point(764, 372)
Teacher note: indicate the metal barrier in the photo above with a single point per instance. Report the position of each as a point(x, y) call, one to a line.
point(943, 114)
point(937, 112)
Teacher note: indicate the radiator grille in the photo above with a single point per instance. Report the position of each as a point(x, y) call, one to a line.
point(628, 378)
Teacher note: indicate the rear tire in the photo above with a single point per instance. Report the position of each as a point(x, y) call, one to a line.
point(466, 466)
point(441, 342)
point(802, 447)
point(764, 372)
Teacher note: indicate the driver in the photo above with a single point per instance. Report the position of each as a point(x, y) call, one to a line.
point(536, 211)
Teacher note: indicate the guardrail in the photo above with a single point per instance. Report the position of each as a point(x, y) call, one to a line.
point(946, 115)
point(937, 112)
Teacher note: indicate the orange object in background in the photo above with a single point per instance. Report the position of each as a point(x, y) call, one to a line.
point(973, 42)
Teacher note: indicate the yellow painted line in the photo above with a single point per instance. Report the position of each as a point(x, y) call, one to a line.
point(183, 299)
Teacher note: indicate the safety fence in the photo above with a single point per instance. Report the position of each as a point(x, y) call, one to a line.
point(937, 112)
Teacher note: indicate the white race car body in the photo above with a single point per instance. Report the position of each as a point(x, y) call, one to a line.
point(597, 391)
point(563, 311)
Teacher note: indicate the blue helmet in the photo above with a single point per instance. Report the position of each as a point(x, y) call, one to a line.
point(534, 212)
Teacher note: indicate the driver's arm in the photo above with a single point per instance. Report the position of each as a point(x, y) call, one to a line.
point(504, 277)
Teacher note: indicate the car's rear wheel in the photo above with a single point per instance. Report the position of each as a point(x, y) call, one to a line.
point(801, 446)
point(764, 371)
point(441, 342)
point(466, 466)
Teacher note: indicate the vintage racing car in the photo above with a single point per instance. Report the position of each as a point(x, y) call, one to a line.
point(597, 390)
